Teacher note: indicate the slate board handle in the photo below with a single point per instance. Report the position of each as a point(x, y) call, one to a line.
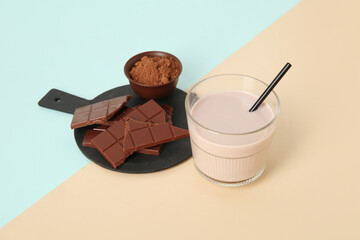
point(62, 101)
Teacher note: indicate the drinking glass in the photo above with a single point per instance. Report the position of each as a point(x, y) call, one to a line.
point(230, 159)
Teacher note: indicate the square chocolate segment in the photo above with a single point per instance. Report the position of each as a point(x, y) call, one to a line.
point(84, 109)
point(81, 118)
point(118, 129)
point(161, 132)
point(97, 114)
point(104, 140)
point(159, 118)
point(99, 105)
point(116, 154)
point(150, 109)
point(136, 114)
point(141, 137)
point(90, 134)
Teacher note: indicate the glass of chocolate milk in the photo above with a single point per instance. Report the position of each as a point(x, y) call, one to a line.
point(228, 142)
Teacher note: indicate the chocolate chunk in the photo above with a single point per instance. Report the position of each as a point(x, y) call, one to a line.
point(169, 110)
point(110, 144)
point(99, 112)
point(145, 134)
point(90, 134)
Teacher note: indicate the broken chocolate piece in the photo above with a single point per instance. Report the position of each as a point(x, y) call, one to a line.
point(110, 144)
point(99, 112)
point(149, 112)
point(90, 134)
point(169, 110)
point(144, 134)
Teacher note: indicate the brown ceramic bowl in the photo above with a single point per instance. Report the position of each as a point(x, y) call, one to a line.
point(151, 91)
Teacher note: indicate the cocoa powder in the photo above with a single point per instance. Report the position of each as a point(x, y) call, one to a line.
point(154, 70)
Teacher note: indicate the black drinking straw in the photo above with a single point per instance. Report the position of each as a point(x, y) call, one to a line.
point(270, 87)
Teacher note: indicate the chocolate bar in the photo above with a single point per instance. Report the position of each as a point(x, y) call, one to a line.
point(169, 110)
point(153, 111)
point(157, 149)
point(110, 142)
point(145, 134)
point(99, 112)
point(90, 134)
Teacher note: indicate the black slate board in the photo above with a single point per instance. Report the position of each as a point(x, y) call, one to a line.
point(172, 153)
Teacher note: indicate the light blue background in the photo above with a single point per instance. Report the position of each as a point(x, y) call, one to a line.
point(81, 47)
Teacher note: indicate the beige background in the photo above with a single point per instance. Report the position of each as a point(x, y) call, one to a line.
point(310, 188)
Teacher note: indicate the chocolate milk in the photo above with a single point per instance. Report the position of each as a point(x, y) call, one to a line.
point(229, 143)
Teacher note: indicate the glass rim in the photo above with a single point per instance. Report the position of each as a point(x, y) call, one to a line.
point(224, 133)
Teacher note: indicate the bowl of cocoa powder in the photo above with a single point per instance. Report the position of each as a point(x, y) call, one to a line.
point(153, 74)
